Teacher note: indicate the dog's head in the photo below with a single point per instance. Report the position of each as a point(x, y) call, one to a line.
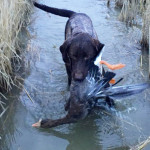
point(79, 54)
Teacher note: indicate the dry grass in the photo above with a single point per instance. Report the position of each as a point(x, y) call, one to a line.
point(131, 11)
point(13, 16)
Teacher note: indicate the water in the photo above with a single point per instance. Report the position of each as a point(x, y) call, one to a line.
point(46, 82)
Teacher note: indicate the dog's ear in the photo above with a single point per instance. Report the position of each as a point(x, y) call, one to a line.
point(98, 45)
point(64, 49)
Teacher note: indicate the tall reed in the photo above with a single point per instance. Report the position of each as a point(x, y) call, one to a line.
point(13, 16)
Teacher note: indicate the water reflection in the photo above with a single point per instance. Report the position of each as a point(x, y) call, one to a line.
point(89, 133)
point(81, 136)
point(8, 128)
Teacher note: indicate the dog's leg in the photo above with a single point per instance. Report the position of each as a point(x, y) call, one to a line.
point(74, 114)
point(48, 123)
point(69, 74)
point(67, 105)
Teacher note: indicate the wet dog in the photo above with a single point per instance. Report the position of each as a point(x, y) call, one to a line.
point(81, 46)
point(79, 51)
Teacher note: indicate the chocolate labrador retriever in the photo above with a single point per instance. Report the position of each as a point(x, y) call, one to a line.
point(81, 46)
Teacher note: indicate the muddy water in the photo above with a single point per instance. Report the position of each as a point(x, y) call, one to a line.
point(46, 82)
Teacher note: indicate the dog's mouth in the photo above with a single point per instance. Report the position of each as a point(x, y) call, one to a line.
point(78, 76)
point(79, 80)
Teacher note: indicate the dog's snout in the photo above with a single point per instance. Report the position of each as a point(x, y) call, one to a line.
point(78, 76)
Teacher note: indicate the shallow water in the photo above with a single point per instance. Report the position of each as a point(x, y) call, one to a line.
point(46, 82)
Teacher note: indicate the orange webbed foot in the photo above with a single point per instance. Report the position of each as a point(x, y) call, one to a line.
point(112, 67)
point(112, 81)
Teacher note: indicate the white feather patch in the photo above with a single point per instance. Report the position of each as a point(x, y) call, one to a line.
point(98, 59)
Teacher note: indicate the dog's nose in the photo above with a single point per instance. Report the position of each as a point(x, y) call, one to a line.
point(78, 76)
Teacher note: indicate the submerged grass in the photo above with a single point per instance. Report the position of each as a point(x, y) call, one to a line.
point(13, 16)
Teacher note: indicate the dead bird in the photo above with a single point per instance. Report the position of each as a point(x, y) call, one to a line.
point(86, 95)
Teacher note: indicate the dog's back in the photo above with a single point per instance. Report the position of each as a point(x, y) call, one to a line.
point(77, 23)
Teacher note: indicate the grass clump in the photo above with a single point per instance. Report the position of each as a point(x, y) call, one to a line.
point(134, 10)
point(13, 16)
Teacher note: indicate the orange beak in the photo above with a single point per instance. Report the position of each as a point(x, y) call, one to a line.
point(112, 67)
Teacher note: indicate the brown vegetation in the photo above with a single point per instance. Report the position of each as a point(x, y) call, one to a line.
point(131, 11)
point(13, 16)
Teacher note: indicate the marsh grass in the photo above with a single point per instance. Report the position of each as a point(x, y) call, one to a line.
point(13, 16)
point(134, 10)
point(131, 10)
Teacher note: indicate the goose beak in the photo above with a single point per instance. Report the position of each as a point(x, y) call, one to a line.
point(37, 124)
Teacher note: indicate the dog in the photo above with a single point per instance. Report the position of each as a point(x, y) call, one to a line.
point(79, 51)
point(81, 45)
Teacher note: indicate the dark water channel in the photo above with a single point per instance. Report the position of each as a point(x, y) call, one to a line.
point(46, 82)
